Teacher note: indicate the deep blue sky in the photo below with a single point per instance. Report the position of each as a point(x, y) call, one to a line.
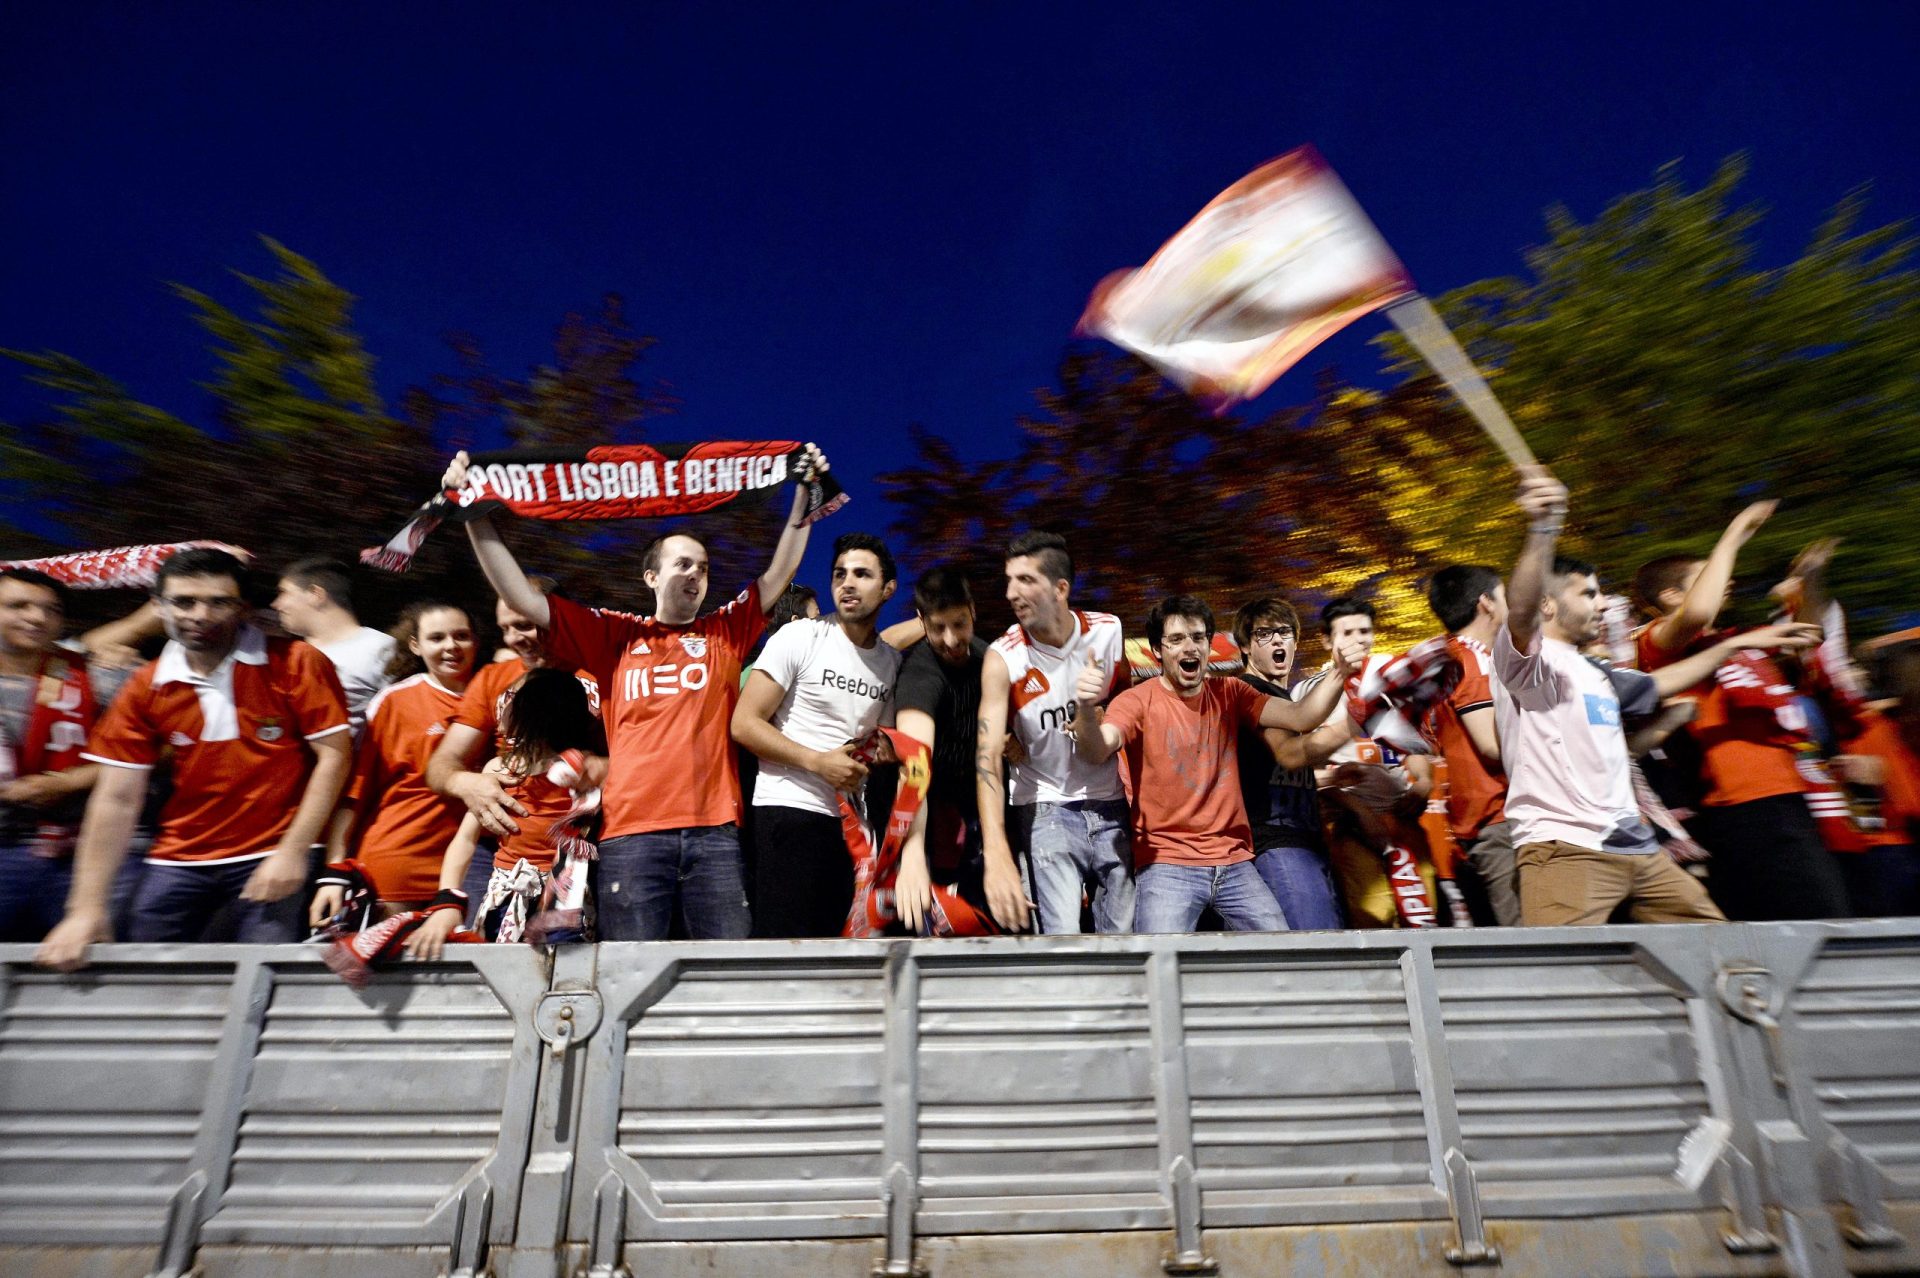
point(843, 218)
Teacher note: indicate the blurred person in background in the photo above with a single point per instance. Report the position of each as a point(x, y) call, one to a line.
point(315, 603)
point(1769, 860)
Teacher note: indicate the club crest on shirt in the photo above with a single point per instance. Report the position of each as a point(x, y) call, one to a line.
point(270, 730)
point(695, 645)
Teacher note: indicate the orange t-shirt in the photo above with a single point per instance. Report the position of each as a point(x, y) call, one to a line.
point(485, 701)
point(1476, 795)
point(239, 742)
point(1183, 764)
point(546, 803)
point(404, 827)
point(1747, 753)
point(669, 698)
point(1880, 737)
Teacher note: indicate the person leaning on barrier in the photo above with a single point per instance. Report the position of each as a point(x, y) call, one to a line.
point(1193, 844)
point(1583, 847)
point(257, 730)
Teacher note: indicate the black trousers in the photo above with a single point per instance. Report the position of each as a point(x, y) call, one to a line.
point(1769, 861)
point(803, 876)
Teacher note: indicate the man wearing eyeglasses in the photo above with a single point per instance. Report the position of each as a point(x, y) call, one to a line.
point(257, 731)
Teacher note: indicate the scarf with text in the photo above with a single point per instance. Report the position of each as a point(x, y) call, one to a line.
point(122, 568)
point(614, 481)
point(357, 945)
point(876, 870)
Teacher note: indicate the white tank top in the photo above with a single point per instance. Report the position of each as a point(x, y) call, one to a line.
point(1041, 708)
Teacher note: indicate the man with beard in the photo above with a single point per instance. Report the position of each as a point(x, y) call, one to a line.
point(1277, 775)
point(1067, 813)
point(816, 695)
point(1582, 846)
point(1193, 845)
point(258, 732)
point(938, 701)
point(671, 798)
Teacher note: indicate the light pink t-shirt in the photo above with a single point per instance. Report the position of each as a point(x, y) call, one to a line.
point(1565, 752)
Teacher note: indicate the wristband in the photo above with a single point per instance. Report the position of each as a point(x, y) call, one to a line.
point(1544, 530)
point(448, 899)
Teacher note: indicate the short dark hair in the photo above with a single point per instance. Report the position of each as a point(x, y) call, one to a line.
point(1344, 606)
point(1454, 593)
point(791, 605)
point(1657, 576)
point(200, 561)
point(870, 543)
point(941, 588)
point(1568, 566)
point(1049, 548)
point(1269, 611)
point(1176, 606)
point(650, 560)
point(334, 578)
point(34, 577)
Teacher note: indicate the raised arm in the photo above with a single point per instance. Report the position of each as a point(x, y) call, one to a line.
point(1308, 749)
point(1314, 709)
point(1702, 603)
point(1094, 738)
point(793, 538)
point(1685, 673)
point(1006, 893)
point(497, 562)
point(1543, 499)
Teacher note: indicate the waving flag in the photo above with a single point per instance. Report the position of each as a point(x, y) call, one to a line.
point(1280, 261)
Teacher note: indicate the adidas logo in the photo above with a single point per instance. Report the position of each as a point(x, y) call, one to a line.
point(641, 650)
point(1033, 683)
point(437, 730)
point(180, 739)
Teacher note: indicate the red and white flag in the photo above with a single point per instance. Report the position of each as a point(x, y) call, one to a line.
point(1280, 261)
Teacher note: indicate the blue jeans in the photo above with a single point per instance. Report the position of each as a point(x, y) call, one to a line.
point(1302, 884)
point(640, 878)
point(1074, 848)
point(1173, 896)
point(177, 899)
point(33, 892)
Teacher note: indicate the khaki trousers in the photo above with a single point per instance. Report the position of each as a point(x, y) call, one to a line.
point(1564, 885)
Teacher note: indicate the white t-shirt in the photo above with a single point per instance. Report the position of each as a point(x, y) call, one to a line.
point(836, 693)
point(1564, 750)
point(360, 660)
point(1041, 708)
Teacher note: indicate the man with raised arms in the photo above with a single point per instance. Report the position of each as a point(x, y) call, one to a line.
point(814, 698)
point(1068, 813)
point(1582, 846)
point(671, 799)
point(1193, 844)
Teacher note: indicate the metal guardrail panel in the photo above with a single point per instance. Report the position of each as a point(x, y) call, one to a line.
point(1575, 1070)
point(103, 1079)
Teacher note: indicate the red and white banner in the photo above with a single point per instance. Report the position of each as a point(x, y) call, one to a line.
point(122, 568)
point(1280, 261)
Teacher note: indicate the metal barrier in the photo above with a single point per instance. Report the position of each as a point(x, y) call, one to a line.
point(1740, 1099)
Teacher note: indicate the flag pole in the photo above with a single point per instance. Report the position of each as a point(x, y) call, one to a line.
point(1422, 326)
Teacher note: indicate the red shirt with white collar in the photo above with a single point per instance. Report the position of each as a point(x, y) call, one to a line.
point(238, 738)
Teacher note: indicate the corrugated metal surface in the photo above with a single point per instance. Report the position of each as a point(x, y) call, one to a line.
point(1620, 1100)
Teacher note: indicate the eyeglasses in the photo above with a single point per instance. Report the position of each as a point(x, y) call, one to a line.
point(1262, 634)
point(188, 603)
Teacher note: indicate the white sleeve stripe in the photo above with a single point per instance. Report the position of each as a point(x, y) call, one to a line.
point(327, 732)
point(116, 763)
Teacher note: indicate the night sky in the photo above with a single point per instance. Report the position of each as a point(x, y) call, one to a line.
point(840, 219)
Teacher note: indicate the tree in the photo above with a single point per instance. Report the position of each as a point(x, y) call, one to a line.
point(1157, 496)
point(1669, 379)
point(298, 455)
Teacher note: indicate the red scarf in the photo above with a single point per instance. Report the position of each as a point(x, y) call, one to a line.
point(125, 567)
point(62, 716)
point(876, 871)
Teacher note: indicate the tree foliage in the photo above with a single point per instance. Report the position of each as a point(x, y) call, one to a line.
point(1669, 379)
